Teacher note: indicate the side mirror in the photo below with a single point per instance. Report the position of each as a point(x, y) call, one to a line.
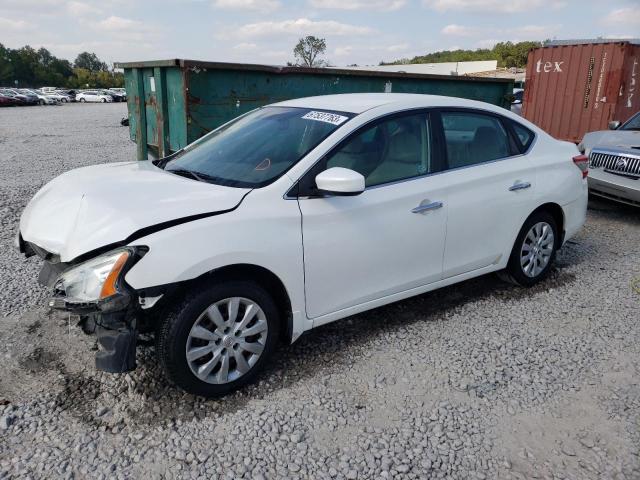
point(516, 102)
point(340, 181)
point(613, 125)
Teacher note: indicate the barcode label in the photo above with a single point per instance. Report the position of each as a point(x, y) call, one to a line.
point(332, 118)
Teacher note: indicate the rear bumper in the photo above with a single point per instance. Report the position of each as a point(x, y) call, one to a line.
point(614, 187)
point(575, 214)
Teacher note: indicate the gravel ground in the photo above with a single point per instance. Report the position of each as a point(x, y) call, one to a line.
point(478, 380)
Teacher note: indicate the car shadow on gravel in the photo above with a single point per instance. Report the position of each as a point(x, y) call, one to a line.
point(610, 210)
point(145, 398)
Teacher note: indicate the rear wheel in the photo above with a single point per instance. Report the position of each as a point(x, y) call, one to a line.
point(82, 100)
point(41, 102)
point(534, 250)
point(219, 338)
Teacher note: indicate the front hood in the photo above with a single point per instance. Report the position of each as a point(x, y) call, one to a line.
point(91, 207)
point(621, 139)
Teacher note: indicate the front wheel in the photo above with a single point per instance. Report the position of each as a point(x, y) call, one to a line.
point(82, 100)
point(534, 250)
point(104, 100)
point(218, 339)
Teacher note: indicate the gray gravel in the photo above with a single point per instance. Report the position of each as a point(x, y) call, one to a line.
point(36, 145)
point(480, 380)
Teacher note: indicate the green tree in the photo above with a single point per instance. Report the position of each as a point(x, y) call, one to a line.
point(91, 62)
point(6, 67)
point(308, 50)
point(37, 68)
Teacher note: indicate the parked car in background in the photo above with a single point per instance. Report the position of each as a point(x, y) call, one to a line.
point(93, 96)
point(614, 158)
point(43, 98)
point(516, 103)
point(18, 98)
point(116, 96)
point(27, 98)
point(394, 194)
point(7, 101)
point(121, 92)
point(58, 96)
point(48, 89)
point(71, 94)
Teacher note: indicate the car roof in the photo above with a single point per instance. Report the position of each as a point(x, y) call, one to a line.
point(361, 102)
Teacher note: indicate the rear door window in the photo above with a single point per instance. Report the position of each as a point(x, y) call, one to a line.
point(524, 136)
point(472, 138)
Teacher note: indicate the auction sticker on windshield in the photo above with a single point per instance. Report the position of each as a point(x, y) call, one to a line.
point(332, 118)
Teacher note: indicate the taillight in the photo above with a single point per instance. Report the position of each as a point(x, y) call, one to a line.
point(582, 162)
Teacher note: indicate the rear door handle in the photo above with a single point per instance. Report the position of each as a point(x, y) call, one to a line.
point(426, 207)
point(519, 186)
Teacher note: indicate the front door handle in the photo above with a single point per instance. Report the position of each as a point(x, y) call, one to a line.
point(519, 186)
point(427, 206)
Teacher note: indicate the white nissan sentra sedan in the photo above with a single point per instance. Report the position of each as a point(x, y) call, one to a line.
point(295, 215)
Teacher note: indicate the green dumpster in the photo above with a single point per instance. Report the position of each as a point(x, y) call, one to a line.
point(171, 103)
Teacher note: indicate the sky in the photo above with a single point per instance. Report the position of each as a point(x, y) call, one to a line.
point(363, 32)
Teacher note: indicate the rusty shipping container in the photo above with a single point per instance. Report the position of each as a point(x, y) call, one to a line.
point(578, 88)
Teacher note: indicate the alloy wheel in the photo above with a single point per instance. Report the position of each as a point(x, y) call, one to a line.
point(226, 340)
point(537, 249)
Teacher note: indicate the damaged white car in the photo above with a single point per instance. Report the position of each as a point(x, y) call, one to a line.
point(295, 215)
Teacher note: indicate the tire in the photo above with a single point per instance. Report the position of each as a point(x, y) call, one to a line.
point(82, 100)
point(526, 272)
point(188, 327)
point(104, 100)
point(41, 102)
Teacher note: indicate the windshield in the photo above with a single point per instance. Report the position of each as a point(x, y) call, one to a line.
point(257, 148)
point(633, 123)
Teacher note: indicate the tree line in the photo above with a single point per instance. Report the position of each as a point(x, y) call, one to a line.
point(32, 68)
point(508, 54)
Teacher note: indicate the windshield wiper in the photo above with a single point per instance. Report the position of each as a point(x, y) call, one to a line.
point(187, 173)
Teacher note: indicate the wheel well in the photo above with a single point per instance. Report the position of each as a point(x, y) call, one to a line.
point(267, 280)
point(558, 215)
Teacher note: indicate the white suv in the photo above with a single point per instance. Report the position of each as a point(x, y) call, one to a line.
point(295, 215)
point(93, 96)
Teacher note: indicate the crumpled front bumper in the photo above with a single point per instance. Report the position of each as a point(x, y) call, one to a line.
point(115, 325)
point(113, 320)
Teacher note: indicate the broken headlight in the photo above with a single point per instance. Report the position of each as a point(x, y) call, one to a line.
point(95, 279)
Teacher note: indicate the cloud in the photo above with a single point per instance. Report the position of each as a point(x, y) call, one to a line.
point(300, 26)
point(258, 5)
point(488, 43)
point(458, 30)
point(81, 9)
point(629, 16)
point(370, 51)
point(35, 6)
point(14, 25)
point(492, 6)
point(118, 24)
point(514, 34)
point(245, 46)
point(380, 5)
